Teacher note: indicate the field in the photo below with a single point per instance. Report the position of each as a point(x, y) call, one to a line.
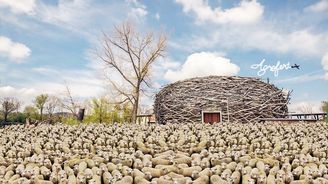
point(176, 153)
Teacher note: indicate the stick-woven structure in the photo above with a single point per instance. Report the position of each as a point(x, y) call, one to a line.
point(247, 99)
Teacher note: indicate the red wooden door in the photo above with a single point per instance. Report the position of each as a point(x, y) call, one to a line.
point(211, 117)
point(215, 117)
point(206, 117)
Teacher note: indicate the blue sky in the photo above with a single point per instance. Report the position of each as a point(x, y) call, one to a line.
point(45, 44)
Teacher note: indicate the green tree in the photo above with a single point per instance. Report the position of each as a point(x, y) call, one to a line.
point(100, 110)
point(17, 117)
point(126, 112)
point(40, 102)
point(31, 112)
point(121, 113)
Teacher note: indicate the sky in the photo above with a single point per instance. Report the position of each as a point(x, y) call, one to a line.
point(46, 45)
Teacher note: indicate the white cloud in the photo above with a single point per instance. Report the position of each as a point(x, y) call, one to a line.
point(88, 80)
point(245, 12)
point(324, 62)
point(23, 94)
point(157, 16)
point(271, 34)
point(272, 40)
point(160, 68)
point(262, 36)
point(84, 16)
point(326, 76)
point(319, 6)
point(138, 10)
point(82, 83)
point(19, 6)
point(66, 12)
point(167, 63)
point(14, 50)
point(316, 75)
point(203, 64)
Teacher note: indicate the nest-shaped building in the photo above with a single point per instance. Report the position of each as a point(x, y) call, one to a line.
point(220, 99)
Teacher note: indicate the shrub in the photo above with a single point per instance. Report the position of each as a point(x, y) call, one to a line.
point(70, 121)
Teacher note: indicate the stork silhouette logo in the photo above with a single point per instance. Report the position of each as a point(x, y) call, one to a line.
point(275, 69)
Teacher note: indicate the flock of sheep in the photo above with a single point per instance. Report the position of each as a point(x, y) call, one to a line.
point(175, 153)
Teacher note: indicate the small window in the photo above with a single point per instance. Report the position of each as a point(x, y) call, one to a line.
point(211, 117)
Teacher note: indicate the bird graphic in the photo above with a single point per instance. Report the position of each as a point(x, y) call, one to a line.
point(296, 66)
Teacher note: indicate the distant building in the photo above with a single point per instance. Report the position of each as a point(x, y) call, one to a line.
point(146, 118)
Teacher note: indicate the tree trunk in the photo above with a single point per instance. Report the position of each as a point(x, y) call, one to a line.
point(41, 113)
point(100, 117)
point(6, 117)
point(134, 112)
point(135, 106)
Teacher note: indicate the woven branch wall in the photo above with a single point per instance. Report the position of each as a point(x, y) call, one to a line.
point(247, 99)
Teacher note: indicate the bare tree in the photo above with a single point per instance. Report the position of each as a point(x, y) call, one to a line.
point(9, 105)
point(40, 102)
point(69, 103)
point(52, 104)
point(305, 108)
point(131, 55)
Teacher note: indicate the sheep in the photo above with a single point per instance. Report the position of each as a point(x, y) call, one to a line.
point(201, 180)
point(81, 178)
point(111, 166)
point(320, 181)
point(300, 182)
point(39, 181)
point(140, 180)
point(117, 175)
point(216, 179)
point(183, 160)
point(187, 172)
point(169, 168)
point(125, 180)
point(201, 145)
point(222, 151)
point(206, 172)
point(146, 160)
point(96, 179)
point(244, 159)
point(155, 172)
point(126, 171)
point(142, 147)
point(162, 180)
point(8, 175)
point(232, 166)
point(14, 177)
point(289, 177)
point(107, 177)
point(88, 173)
point(235, 177)
point(246, 179)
